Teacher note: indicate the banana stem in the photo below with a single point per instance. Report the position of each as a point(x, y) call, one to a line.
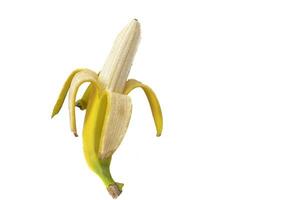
point(113, 188)
point(103, 171)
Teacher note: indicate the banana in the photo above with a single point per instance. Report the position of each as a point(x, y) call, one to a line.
point(107, 104)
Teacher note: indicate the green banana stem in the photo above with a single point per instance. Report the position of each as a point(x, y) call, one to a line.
point(102, 169)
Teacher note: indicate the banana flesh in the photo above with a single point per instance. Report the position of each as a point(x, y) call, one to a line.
point(107, 104)
point(115, 124)
point(117, 66)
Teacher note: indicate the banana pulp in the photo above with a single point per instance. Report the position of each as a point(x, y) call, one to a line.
point(107, 104)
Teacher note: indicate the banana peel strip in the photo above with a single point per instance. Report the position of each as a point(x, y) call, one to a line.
point(153, 101)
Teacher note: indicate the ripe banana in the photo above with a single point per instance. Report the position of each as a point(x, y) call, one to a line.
point(107, 104)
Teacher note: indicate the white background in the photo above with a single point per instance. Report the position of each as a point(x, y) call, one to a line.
point(226, 73)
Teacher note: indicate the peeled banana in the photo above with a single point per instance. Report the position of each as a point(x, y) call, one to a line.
point(107, 104)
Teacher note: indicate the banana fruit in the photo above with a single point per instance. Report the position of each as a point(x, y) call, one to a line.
point(107, 104)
